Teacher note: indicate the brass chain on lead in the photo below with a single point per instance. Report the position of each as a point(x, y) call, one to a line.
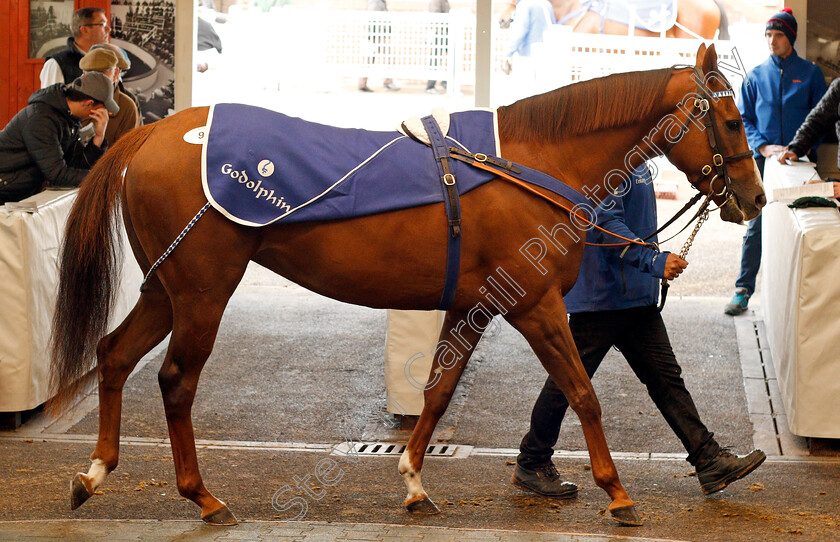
point(687, 246)
point(683, 253)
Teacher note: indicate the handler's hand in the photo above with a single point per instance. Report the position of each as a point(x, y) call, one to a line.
point(99, 116)
point(674, 265)
point(770, 150)
point(788, 155)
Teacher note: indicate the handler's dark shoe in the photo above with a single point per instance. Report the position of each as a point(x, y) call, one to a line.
point(726, 468)
point(543, 480)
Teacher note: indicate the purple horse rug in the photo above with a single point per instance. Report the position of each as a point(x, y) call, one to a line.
point(260, 167)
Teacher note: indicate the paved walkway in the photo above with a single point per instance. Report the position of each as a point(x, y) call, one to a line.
point(276, 429)
point(306, 531)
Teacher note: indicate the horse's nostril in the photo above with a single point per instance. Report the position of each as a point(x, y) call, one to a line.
point(760, 200)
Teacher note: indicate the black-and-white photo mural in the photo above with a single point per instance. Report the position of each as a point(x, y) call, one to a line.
point(145, 29)
point(49, 26)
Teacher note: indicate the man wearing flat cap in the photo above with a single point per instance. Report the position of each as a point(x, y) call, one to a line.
point(40, 146)
point(776, 97)
point(124, 65)
point(109, 63)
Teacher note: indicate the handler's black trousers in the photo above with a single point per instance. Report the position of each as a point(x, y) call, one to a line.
point(640, 334)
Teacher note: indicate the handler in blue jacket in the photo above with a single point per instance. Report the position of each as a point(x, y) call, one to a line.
point(614, 303)
point(776, 97)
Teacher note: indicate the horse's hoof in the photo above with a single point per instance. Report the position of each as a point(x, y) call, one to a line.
point(78, 492)
point(627, 515)
point(423, 506)
point(222, 516)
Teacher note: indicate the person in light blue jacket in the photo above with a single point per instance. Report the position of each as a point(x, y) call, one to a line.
point(614, 303)
point(530, 21)
point(776, 97)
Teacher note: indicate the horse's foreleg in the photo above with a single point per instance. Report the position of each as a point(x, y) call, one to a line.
point(118, 353)
point(547, 331)
point(193, 334)
point(457, 341)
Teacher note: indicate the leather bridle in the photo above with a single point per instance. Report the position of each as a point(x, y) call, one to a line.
point(703, 108)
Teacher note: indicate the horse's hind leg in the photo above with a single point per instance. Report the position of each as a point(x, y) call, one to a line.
point(547, 330)
point(200, 289)
point(457, 342)
point(193, 334)
point(118, 353)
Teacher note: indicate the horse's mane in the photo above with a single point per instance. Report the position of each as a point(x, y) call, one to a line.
point(608, 102)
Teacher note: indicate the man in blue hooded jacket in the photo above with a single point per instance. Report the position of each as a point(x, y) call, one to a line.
point(614, 303)
point(776, 97)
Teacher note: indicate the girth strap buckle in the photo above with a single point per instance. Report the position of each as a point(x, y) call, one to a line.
point(452, 206)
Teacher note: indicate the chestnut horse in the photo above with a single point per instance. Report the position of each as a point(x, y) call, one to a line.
point(580, 135)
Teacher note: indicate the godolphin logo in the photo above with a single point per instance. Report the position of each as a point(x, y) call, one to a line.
point(265, 168)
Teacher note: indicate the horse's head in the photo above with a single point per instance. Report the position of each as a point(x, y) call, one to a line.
point(712, 148)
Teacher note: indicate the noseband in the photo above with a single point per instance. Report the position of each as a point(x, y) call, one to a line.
point(717, 169)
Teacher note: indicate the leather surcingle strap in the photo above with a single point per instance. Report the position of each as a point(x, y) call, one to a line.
point(453, 211)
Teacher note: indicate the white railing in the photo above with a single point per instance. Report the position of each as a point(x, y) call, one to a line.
point(325, 44)
point(397, 45)
point(336, 43)
point(567, 58)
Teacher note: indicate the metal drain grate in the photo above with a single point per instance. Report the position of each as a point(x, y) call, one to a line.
point(389, 448)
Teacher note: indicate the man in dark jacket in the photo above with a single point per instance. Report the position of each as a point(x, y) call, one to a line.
point(817, 124)
point(40, 146)
point(90, 27)
point(614, 303)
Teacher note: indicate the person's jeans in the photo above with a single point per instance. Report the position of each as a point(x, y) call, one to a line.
point(751, 248)
point(640, 335)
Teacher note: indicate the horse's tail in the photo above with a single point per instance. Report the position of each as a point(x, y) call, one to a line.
point(90, 262)
point(723, 27)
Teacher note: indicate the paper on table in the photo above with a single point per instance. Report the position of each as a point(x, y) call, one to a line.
point(796, 175)
point(824, 190)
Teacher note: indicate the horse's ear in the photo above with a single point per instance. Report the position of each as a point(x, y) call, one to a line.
point(701, 54)
point(710, 60)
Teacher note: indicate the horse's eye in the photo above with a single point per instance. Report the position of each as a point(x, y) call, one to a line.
point(733, 125)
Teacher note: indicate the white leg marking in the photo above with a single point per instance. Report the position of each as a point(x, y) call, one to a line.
point(97, 473)
point(411, 477)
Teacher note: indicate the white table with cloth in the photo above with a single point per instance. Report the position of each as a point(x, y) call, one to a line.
point(29, 246)
point(801, 302)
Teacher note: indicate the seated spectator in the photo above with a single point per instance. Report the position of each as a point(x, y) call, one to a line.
point(123, 66)
point(107, 62)
point(40, 146)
